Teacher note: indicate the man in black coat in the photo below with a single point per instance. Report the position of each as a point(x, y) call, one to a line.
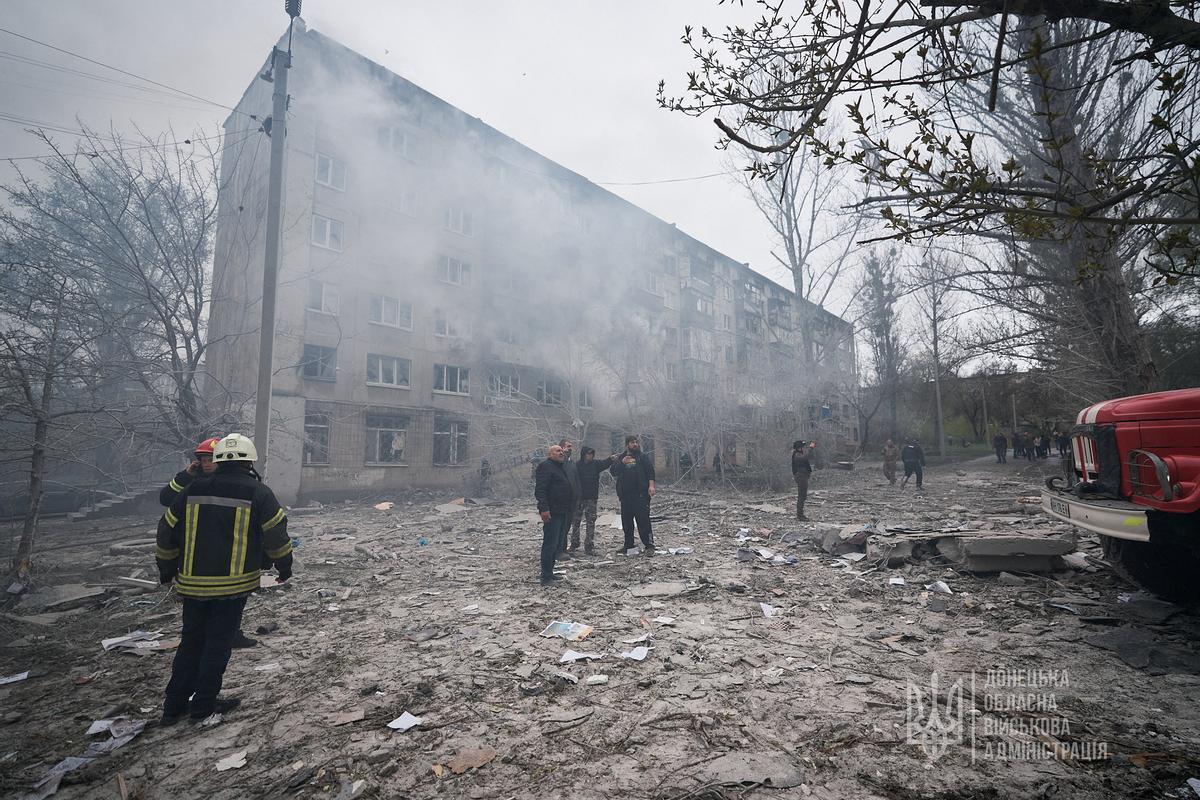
point(588, 471)
point(913, 458)
point(802, 453)
point(634, 472)
point(554, 495)
point(1000, 443)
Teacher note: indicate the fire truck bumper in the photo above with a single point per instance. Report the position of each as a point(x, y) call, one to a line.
point(1114, 518)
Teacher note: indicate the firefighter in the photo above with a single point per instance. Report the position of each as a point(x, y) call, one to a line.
point(202, 464)
point(213, 542)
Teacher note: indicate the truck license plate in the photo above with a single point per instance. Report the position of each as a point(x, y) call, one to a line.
point(1060, 507)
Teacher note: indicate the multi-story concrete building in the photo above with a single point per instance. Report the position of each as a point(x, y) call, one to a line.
point(448, 296)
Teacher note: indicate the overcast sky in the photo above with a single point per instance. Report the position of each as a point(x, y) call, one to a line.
point(573, 80)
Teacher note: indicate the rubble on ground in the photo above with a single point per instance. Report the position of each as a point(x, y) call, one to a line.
point(414, 654)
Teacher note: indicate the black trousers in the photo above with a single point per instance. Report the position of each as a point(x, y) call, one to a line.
point(552, 533)
point(208, 630)
point(636, 509)
point(914, 469)
point(1000, 451)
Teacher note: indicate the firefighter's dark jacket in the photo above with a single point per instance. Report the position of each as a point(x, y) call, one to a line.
point(168, 493)
point(219, 533)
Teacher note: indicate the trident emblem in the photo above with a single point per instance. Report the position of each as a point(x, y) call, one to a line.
point(940, 725)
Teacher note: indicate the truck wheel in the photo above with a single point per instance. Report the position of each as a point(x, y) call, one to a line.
point(1168, 563)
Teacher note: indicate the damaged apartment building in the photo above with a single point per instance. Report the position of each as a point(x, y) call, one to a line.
point(448, 297)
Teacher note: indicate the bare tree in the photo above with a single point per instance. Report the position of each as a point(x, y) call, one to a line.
point(930, 285)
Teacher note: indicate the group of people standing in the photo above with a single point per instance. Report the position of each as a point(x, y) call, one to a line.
point(566, 492)
point(1030, 446)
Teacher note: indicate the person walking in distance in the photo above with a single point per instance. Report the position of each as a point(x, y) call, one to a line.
point(801, 470)
point(1000, 445)
point(572, 471)
point(213, 542)
point(554, 495)
point(589, 470)
point(914, 462)
point(891, 454)
point(634, 473)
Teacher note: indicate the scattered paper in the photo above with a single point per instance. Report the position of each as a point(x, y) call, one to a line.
point(939, 586)
point(235, 761)
point(665, 620)
point(637, 639)
point(571, 631)
point(638, 653)
point(568, 677)
point(20, 676)
point(571, 656)
point(404, 722)
point(680, 551)
point(386, 505)
point(854, 556)
point(768, 609)
point(596, 680)
point(470, 608)
point(895, 580)
point(130, 639)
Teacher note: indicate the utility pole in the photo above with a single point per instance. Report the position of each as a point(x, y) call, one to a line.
point(281, 62)
point(1014, 411)
point(986, 438)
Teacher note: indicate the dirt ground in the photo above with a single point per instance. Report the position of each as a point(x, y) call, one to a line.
point(438, 614)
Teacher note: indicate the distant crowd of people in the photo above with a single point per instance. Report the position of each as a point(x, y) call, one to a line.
point(1029, 445)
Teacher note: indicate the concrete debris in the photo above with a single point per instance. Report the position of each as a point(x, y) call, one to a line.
point(1006, 553)
point(404, 722)
point(772, 770)
point(234, 761)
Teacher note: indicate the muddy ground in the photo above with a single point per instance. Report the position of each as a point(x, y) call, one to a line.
point(808, 702)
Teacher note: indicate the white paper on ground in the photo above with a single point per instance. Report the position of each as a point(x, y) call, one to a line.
point(404, 722)
point(571, 631)
point(571, 656)
point(20, 676)
point(597, 680)
point(665, 620)
point(638, 653)
point(895, 580)
point(768, 609)
point(636, 639)
point(235, 761)
point(939, 586)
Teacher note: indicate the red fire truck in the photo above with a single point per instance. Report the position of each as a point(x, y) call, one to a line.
point(1133, 476)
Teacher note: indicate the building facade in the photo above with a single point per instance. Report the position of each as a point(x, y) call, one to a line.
point(449, 300)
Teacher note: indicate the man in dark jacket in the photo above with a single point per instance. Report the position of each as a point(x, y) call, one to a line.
point(572, 471)
point(801, 470)
point(213, 543)
point(913, 458)
point(588, 470)
point(554, 495)
point(634, 473)
point(1001, 446)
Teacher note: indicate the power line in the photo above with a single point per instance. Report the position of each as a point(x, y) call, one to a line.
point(665, 180)
point(123, 72)
point(94, 153)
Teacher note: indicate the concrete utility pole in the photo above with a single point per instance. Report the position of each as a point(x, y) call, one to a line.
point(1014, 410)
point(986, 437)
point(281, 62)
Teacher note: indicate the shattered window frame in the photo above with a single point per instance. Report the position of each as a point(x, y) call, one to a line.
point(584, 398)
point(504, 384)
point(328, 233)
point(378, 312)
point(454, 271)
point(550, 392)
point(323, 297)
point(333, 169)
point(316, 439)
point(457, 219)
point(446, 375)
point(450, 443)
point(383, 431)
point(318, 362)
point(399, 368)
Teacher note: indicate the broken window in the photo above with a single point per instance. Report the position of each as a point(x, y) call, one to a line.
point(454, 271)
point(444, 325)
point(703, 305)
point(390, 311)
point(458, 221)
point(387, 370)
point(504, 384)
point(327, 232)
point(651, 283)
point(450, 379)
point(395, 140)
point(550, 392)
point(316, 438)
point(387, 435)
point(322, 297)
point(331, 172)
point(319, 362)
point(449, 442)
point(585, 398)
